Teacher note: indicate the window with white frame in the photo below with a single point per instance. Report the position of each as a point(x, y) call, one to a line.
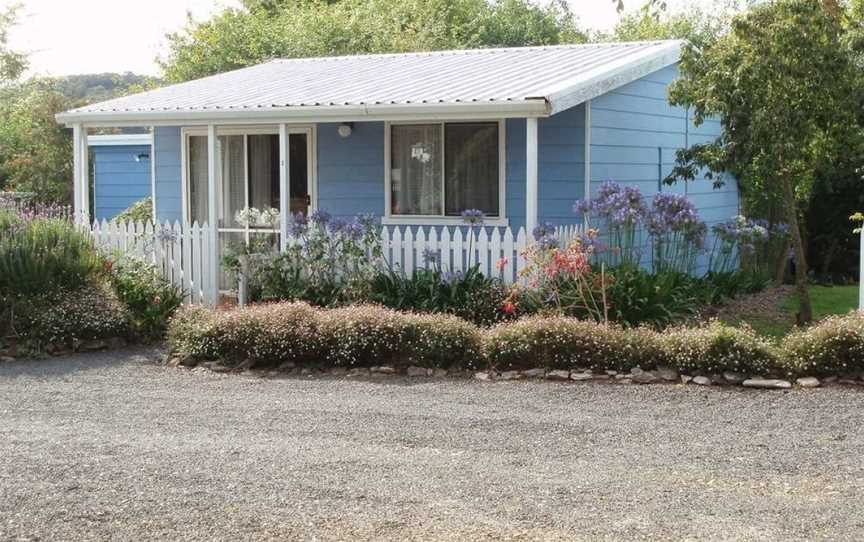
point(442, 169)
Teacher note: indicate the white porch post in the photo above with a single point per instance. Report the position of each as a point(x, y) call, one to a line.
point(80, 175)
point(212, 213)
point(587, 157)
point(284, 190)
point(531, 175)
point(861, 273)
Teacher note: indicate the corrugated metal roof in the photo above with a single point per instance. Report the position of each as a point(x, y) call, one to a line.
point(478, 76)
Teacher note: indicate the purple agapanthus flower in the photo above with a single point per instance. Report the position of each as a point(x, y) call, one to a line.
point(335, 225)
point(544, 235)
point(319, 217)
point(431, 257)
point(474, 217)
point(672, 213)
point(298, 225)
point(617, 204)
point(353, 231)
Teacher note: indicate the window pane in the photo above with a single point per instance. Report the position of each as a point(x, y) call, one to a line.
point(197, 179)
point(264, 171)
point(471, 180)
point(415, 170)
point(298, 173)
point(232, 178)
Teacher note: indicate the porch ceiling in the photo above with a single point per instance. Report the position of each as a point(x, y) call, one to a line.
point(480, 83)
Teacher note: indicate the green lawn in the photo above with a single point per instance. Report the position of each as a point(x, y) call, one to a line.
point(779, 320)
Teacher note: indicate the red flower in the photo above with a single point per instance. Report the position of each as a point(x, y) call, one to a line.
point(509, 307)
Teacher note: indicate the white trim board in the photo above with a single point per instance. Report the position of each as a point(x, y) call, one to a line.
point(118, 140)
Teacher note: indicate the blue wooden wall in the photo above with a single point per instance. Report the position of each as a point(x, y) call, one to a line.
point(635, 134)
point(166, 160)
point(119, 180)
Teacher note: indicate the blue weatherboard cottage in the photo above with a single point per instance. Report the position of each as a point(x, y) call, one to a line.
point(413, 138)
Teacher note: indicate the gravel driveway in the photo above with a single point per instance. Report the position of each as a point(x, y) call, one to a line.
point(112, 446)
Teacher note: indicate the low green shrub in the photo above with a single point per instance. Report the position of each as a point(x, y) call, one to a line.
point(715, 347)
point(559, 342)
point(833, 346)
point(637, 296)
point(354, 336)
point(150, 298)
point(468, 295)
point(66, 317)
point(140, 211)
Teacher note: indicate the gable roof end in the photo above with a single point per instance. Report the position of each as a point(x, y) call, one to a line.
point(513, 82)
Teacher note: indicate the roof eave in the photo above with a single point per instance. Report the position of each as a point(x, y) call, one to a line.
point(530, 107)
point(609, 78)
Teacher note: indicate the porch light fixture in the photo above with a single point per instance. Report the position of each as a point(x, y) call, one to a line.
point(345, 129)
point(141, 157)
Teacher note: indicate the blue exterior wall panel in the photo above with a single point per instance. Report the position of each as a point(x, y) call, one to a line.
point(119, 180)
point(167, 143)
point(635, 134)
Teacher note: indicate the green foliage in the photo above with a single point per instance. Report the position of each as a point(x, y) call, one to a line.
point(150, 299)
point(696, 24)
point(236, 38)
point(834, 345)
point(141, 211)
point(468, 295)
point(354, 336)
point(639, 297)
point(44, 255)
point(12, 63)
point(67, 317)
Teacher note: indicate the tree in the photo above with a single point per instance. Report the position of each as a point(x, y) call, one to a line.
point(783, 84)
point(698, 25)
point(12, 63)
point(265, 29)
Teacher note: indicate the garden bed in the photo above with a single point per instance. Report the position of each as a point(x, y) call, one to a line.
point(371, 340)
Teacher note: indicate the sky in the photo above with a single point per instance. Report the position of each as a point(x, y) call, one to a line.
point(91, 36)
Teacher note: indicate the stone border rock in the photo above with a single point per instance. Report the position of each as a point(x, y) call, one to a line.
point(662, 375)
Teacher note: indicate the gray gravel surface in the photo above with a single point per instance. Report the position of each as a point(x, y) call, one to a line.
point(112, 446)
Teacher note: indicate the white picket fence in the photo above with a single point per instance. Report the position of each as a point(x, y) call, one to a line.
point(186, 258)
point(496, 250)
point(183, 253)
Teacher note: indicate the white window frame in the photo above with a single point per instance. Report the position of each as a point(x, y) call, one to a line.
point(311, 156)
point(443, 220)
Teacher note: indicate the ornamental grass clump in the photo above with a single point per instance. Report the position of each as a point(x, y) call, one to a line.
point(833, 346)
point(559, 342)
point(715, 348)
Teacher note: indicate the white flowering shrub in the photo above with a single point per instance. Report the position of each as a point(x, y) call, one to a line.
point(833, 346)
point(715, 348)
point(559, 342)
point(66, 317)
point(355, 336)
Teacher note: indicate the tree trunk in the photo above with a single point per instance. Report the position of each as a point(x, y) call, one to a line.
point(805, 311)
point(782, 264)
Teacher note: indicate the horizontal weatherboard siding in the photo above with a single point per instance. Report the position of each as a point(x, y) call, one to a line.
point(119, 180)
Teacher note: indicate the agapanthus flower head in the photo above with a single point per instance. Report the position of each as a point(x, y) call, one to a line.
point(298, 225)
point(672, 213)
point(474, 217)
point(353, 231)
point(269, 217)
point(543, 230)
point(431, 257)
point(249, 216)
point(335, 225)
point(617, 204)
point(319, 217)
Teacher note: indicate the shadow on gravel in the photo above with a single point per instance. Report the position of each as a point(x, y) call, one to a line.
point(61, 366)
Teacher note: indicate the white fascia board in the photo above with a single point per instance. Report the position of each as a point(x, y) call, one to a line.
point(116, 140)
point(611, 76)
point(323, 113)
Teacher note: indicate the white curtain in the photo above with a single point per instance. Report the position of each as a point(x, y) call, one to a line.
point(264, 171)
point(416, 170)
point(232, 178)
